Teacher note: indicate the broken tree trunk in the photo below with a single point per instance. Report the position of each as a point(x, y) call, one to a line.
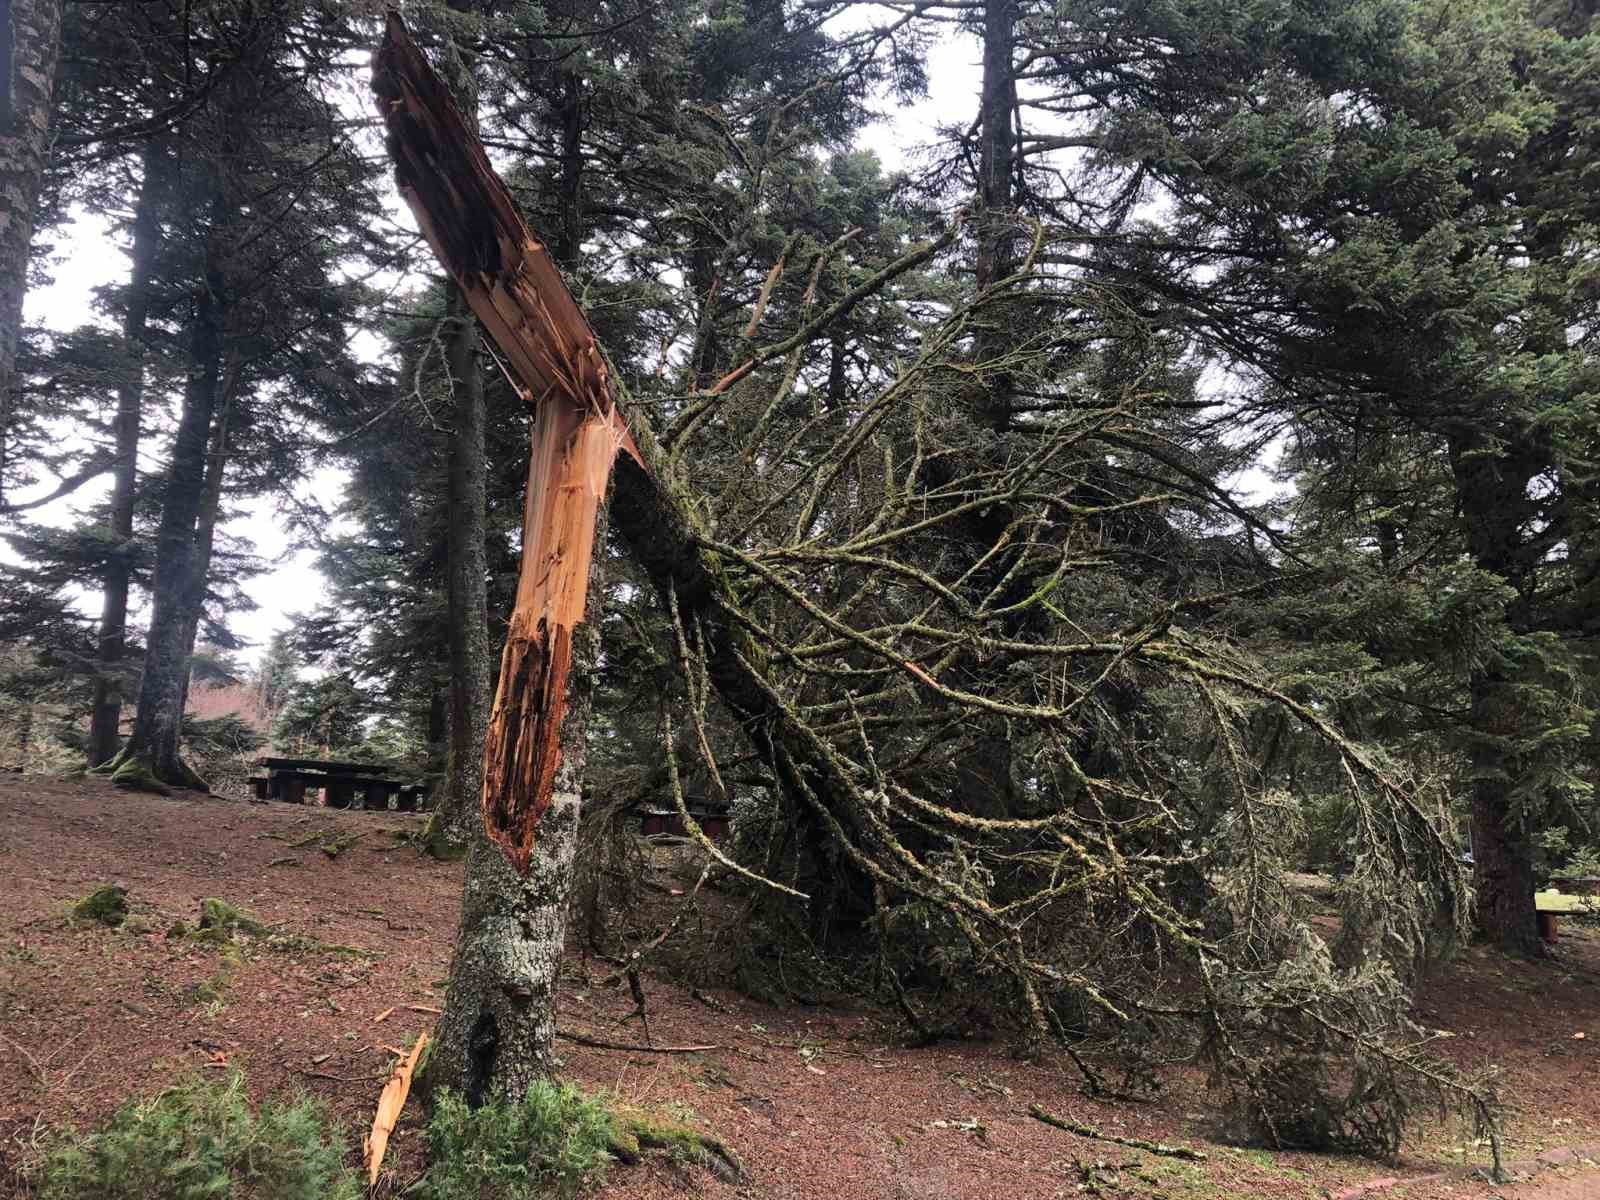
point(495, 1035)
point(514, 286)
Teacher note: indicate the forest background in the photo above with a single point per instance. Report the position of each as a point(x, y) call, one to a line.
point(946, 562)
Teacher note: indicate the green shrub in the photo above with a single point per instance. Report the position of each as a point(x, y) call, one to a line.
point(551, 1142)
point(200, 1141)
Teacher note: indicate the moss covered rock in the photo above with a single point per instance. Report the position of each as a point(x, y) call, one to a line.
point(107, 905)
point(219, 921)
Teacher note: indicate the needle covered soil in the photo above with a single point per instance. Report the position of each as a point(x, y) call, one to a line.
point(243, 945)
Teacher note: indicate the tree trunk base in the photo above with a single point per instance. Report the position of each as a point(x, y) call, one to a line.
point(440, 840)
point(137, 773)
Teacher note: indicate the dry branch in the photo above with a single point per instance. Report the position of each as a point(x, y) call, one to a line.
point(1089, 1131)
point(584, 1039)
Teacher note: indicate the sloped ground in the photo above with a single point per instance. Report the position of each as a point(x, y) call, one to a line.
point(819, 1102)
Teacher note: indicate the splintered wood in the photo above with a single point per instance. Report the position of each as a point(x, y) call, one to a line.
point(390, 1102)
point(515, 288)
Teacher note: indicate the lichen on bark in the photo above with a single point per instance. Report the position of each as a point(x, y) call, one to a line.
point(496, 1034)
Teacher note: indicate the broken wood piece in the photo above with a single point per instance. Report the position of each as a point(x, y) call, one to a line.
point(383, 1016)
point(424, 1008)
point(390, 1102)
point(515, 288)
point(1089, 1131)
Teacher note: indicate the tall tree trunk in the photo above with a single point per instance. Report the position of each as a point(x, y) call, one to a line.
point(105, 729)
point(151, 759)
point(570, 195)
point(467, 570)
point(983, 777)
point(457, 809)
point(205, 533)
point(30, 45)
point(997, 162)
point(1502, 843)
point(1492, 489)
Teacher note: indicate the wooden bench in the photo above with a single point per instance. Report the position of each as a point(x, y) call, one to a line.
point(713, 822)
point(1552, 905)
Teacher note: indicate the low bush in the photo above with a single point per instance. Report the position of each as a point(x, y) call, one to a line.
point(552, 1142)
point(200, 1141)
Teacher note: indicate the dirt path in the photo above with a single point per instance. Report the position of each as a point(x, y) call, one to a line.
point(819, 1102)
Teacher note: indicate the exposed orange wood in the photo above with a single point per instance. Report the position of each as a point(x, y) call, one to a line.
point(516, 290)
point(390, 1102)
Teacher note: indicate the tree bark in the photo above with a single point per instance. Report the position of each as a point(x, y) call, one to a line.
point(1492, 487)
point(105, 729)
point(151, 758)
point(1502, 844)
point(205, 534)
point(457, 809)
point(30, 44)
point(997, 107)
point(498, 1029)
point(466, 568)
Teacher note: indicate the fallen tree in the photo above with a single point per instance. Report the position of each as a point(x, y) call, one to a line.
point(1134, 910)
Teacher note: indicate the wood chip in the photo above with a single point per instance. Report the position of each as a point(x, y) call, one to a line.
point(383, 1016)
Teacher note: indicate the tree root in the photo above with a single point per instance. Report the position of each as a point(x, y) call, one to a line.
point(135, 772)
point(1089, 1131)
point(638, 1131)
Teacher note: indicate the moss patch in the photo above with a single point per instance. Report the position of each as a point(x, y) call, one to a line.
point(107, 905)
point(636, 1131)
point(554, 1141)
point(219, 914)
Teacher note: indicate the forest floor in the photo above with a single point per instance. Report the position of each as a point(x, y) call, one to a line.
point(817, 1101)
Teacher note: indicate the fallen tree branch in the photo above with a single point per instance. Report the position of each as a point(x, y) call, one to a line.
point(1089, 1131)
point(584, 1039)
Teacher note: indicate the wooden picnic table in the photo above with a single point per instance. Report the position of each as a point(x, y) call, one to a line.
point(288, 779)
point(1552, 904)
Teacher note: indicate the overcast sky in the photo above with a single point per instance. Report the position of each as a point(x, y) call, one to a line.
point(90, 257)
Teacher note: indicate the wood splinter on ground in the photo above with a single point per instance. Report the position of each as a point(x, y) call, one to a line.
point(390, 1102)
point(515, 288)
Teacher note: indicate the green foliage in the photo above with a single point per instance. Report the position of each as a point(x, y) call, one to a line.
point(201, 1141)
point(325, 715)
point(553, 1141)
point(217, 737)
point(107, 904)
point(219, 920)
